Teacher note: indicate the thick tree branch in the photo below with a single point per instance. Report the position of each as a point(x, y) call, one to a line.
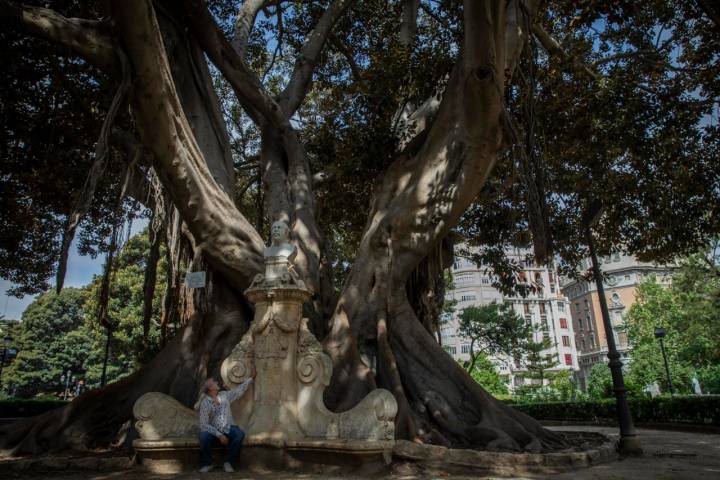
point(229, 242)
point(553, 48)
point(425, 191)
point(408, 22)
point(87, 38)
point(261, 107)
point(290, 189)
point(244, 24)
point(294, 93)
point(345, 51)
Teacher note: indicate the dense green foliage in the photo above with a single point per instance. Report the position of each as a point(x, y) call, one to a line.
point(485, 374)
point(599, 383)
point(688, 310)
point(60, 332)
point(627, 117)
point(494, 329)
point(678, 409)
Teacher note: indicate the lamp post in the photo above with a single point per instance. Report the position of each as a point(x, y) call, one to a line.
point(629, 443)
point(659, 334)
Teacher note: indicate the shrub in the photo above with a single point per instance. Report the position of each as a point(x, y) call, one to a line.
point(709, 378)
point(679, 409)
point(17, 407)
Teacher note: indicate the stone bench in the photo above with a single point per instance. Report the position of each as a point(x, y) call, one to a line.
point(175, 455)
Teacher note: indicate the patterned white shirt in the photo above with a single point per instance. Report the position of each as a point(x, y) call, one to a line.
point(217, 418)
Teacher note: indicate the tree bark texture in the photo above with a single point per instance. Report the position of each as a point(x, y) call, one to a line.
point(382, 330)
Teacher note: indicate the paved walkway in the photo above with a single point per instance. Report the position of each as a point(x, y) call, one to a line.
point(668, 455)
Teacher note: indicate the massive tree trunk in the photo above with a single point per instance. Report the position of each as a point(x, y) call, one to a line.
point(374, 335)
point(216, 320)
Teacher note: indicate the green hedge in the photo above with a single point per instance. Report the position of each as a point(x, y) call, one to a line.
point(17, 407)
point(703, 410)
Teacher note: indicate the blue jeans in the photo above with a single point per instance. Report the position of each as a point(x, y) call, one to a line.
point(207, 439)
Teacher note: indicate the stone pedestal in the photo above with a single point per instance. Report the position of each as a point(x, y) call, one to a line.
point(284, 407)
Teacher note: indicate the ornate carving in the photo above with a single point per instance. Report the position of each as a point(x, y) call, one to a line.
point(237, 366)
point(285, 403)
point(271, 343)
point(159, 416)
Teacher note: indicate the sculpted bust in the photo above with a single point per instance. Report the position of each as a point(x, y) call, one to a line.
point(279, 257)
point(280, 246)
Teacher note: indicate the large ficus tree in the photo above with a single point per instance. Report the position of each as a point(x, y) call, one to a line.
point(369, 126)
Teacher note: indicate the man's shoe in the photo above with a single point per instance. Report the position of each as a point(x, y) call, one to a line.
point(228, 468)
point(206, 469)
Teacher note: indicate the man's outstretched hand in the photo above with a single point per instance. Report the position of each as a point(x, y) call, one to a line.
point(224, 440)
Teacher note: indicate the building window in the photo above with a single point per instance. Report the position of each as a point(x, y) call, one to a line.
point(521, 277)
point(538, 278)
point(561, 307)
point(468, 298)
point(526, 307)
point(465, 348)
point(451, 349)
point(563, 323)
point(582, 344)
point(577, 306)
point(580, 324)
point(566, 341)
point(485, 281)
point(542, 309)
point(568, 359)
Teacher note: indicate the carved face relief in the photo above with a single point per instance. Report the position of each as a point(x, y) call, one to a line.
point(280, 233)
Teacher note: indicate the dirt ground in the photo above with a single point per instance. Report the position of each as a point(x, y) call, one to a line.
point(668, 455)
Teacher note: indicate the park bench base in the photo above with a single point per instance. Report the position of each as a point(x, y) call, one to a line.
point(181, 455)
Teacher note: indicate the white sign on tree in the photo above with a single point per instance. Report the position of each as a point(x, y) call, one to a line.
point(195, 279)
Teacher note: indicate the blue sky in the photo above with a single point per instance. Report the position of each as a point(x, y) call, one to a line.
point(80, 272)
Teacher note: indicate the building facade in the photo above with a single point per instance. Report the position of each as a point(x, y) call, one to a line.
point(546, 308)
point(622, 275)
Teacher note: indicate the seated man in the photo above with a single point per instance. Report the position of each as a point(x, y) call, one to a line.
point(217, 423)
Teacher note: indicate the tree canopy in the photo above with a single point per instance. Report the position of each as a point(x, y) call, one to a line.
point(59, 332)
point(494, 330)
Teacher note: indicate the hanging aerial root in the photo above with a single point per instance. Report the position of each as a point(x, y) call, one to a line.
point(85, 196)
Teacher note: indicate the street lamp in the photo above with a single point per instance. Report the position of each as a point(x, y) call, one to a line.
point(629, 442)
point(6, 352)
point(659, 334)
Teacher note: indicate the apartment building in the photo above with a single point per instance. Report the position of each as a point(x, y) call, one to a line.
point(622, 275)
point(546, 308)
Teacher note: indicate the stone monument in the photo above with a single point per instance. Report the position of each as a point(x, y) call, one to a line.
point(283, 410)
